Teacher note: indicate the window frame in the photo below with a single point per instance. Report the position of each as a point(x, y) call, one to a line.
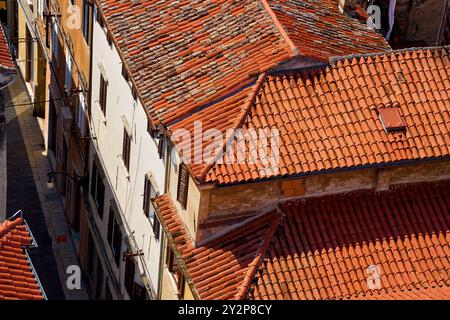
point(183, 185)
point(148, 207)
point(126, 148)
point(97, 194)
point(103, 94)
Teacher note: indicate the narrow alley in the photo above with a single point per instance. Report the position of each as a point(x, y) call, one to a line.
point(27, 191)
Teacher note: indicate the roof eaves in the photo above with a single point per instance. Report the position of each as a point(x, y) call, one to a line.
point(172, 244)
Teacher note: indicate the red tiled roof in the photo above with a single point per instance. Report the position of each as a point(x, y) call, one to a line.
point(329, 118)
point(321, 248)
point(219, 268)
point(184, 54)
point(319, 30)
point(324, 246)
point(17, 281)
point(6, 61)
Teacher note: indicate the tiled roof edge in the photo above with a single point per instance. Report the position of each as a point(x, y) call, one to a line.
point(5, 39)
point(334, 60)
point(172, 244)
point(280, 27)
point(253, 267)
point(238, 122)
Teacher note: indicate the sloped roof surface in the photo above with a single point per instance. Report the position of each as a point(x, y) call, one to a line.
point(6, 61)
point(320, 31)
point(17, 280)
point(329, 118)
point(185, 54)
point(321, 248)
point(219, 268)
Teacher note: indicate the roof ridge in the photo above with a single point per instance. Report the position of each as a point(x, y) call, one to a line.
point(334, 60)
point(253, 267)
point(280, 27)
point(238, 122)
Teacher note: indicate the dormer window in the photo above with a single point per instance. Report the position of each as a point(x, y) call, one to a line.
point(392, 120)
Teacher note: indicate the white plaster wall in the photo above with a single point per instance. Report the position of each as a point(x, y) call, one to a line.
point(126, 187)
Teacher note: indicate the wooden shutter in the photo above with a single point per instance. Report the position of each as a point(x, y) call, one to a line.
point(103, 93)
point(183, 184)
point(110, 226)
point(147, 190)
point(156, 227)
point(126, 149)
point(160, 147)
point(129, 275)
point(124, 73)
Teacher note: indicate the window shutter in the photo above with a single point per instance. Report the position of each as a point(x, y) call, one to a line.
point(124, 73)
point(146, 197)
point(126, 149)
point(129, 275)
point(183, 184)
point(160, 147)
point(110, 225)
point(103, 94)
point(156, 227)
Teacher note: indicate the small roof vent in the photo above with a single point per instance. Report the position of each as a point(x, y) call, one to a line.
point(392, 120)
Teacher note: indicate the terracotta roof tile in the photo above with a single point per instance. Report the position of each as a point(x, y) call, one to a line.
point(329, 118)
point(221, 267)
point(182, 55)
point(324, 246)
point(17, 280)
point(314, 27)
point(321, 248)
point(6, 61)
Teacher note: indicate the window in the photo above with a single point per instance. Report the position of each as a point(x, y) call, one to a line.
point(391, 119)
point(68, 78)
point(86, 22)
point(125, 73)
point(126, 149)
point(97, 189)
point(135, 290)
point(81, 111)
point(183, 184)
point(90, 254)
point(133, 92)
point(149, 211)
point(100, 20)
point(109, 38)
point(172, 261)
point(161, 148)
point(55, 41)
point(129, 275)
point(114, 236)
point(150, 130)
point(172, 265)
point(103, 94)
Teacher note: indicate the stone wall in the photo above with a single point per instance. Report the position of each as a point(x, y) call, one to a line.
point(229, 207)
